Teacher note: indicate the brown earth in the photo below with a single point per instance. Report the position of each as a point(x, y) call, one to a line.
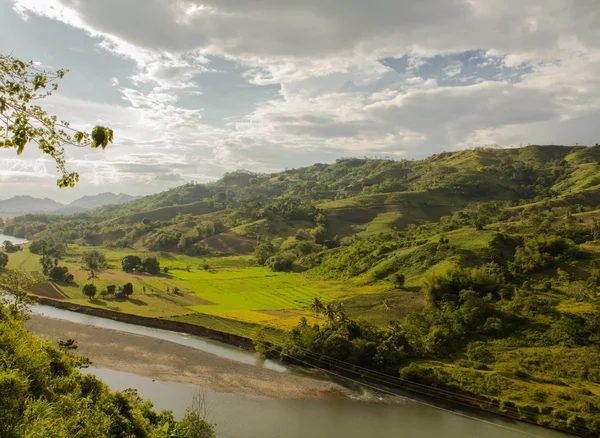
point(47, 290)
point(171, 362)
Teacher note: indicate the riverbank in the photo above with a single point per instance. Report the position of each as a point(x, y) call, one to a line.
point(163, 324)
point(168, 361)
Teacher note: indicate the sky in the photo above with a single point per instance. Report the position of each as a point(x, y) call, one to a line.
point(196, 89)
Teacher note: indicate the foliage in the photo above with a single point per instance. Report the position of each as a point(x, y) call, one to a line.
point(151, 265)
point(263, 252)
point(3, 259)
point(23, 121)
point(127, 289)
point(131, 263)
point(10, 247)
point(89, 290)
point(61, 274)
point(43, 393)
point(94, 260)
point(48, 247)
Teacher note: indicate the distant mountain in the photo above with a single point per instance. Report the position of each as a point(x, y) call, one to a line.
point(28, 204)
point(19, 205)
point(102, 199)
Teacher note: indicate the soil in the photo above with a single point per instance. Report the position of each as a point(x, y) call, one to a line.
point(47, 290)
point(167, 361)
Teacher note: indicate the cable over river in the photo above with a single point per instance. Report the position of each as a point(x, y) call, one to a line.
point(248, 397)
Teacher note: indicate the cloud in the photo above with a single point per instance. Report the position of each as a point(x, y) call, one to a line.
point(361, 78)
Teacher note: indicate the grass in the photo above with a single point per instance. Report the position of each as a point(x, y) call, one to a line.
point(233, 290)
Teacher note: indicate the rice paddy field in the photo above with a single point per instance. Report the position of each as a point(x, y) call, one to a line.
point(226, 293)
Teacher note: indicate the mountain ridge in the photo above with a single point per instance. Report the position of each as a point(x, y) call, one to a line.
point(26, 204)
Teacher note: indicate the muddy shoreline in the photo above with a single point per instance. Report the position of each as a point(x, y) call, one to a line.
point(171, 362)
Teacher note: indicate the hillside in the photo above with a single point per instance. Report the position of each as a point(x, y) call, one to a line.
point(27, 204)
point(475, 273)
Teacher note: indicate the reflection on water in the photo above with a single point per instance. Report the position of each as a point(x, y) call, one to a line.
point(14, 240)
point(238, 415)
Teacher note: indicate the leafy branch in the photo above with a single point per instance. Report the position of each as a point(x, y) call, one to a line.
point(22, 121)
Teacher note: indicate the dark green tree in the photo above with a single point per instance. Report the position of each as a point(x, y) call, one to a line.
point(317, 307)
point(127, 289)
point(263, 252)
point(131, 263)
point(89, 290)
point(3, 259)
point(151, 265)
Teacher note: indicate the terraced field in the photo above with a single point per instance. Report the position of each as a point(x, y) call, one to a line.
point(225, 288)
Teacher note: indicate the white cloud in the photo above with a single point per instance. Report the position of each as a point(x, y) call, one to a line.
point(336, 98)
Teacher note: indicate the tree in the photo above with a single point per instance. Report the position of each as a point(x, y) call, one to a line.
point(130, 263)
point(89, 290)
point(317, 307)
point(263, 252)
point(127, 289)
point(10, 247)
point(94, 262)
point(61, 274)
point(329, 312)
point(3, 259)
point(47, 264)
point(398, 280)
point(23, 121)
point(151, 265)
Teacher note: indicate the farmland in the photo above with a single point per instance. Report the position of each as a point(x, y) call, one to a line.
point(208, 290)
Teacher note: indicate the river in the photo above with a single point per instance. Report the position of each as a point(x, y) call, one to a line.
point(239, 415)
point(14, 240)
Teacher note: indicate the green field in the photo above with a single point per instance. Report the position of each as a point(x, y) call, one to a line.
point(231, 289)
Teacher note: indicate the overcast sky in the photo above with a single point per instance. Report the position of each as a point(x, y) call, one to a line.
point(193, 90)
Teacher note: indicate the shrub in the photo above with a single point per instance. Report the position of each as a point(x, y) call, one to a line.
point(131, 263)
point(127, 289)
point(89, 290)
point(151, 265)
point(398, 280)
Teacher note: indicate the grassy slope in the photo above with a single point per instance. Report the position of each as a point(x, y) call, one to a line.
point(231, 289)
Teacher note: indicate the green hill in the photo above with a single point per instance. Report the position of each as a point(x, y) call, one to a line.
point(474, 272)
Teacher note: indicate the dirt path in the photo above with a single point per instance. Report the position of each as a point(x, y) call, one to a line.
point(171, 362)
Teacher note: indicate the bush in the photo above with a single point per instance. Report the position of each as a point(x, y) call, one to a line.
point(151, 265)
point(127, 289)
point(89, 290)
point(398, 280)
point(3, 259)
point(131, 263)
point(283, 262)
point(61, 274)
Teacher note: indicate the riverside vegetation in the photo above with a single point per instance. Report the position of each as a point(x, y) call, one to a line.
point(472, 273)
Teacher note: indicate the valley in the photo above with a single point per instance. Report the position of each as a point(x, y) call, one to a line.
point(470, 276)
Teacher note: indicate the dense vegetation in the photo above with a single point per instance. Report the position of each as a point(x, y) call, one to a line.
point(43, 392)
point(502, 246)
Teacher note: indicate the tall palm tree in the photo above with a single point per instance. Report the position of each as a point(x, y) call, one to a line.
point(317, 306)
point(329, 312)
point(340, 313)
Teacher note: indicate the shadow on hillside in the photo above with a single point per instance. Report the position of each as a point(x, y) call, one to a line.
point(98, 302)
